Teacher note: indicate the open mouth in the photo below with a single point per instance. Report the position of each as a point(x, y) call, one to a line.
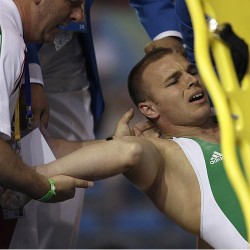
point(196, 97)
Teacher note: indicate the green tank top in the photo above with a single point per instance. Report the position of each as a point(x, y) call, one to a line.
point(228, 203)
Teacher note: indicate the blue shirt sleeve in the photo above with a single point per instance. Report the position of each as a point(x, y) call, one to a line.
point(186, 28)
point(156, 16)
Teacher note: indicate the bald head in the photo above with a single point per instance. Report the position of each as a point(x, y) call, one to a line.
point(41, 18)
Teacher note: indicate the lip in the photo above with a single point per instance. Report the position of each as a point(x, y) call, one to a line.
point(196, 93)
point(63, 24)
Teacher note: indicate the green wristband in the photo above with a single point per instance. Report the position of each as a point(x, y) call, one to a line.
point(51, 193)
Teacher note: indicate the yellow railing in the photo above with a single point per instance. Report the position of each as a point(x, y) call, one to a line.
point(231, 100)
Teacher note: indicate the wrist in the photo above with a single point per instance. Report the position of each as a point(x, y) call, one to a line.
point(51, 193)
point(42, 170)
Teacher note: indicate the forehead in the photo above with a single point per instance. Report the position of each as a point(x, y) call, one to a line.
point(171, 60)
point(165, 65)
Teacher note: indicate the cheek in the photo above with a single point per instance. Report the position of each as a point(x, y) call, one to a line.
point(166, 102)
point(60, 13)
point(172, 98)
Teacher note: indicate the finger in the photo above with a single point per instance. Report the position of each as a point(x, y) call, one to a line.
point(145, 125)
point(13, 202)
point(23, 199)
point(156, 135)
point(149, 133)
point(150, 46)
point(4, 197)
point(79, 183)
point(126, 118)
point(137, 132)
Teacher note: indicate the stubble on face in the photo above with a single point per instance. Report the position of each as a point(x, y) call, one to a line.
point(47, 13)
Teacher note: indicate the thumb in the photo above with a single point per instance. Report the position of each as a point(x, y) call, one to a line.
point(126, 118)
point(145, 125)
point(45, 119)
point(79, 183)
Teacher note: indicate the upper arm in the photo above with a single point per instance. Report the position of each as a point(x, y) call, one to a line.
point(148, 168)
point(11, 66)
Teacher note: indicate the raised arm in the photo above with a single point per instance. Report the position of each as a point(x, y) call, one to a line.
point(166, 23)
point(160, 22)
point(158, 17)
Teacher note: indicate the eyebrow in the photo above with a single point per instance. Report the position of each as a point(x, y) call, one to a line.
point(173, 75)
point(177, 73)
point(191, 67)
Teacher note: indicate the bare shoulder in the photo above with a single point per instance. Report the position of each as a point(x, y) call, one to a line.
point(166, 146)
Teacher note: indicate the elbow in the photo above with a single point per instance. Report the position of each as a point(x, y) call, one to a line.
point(133, 155)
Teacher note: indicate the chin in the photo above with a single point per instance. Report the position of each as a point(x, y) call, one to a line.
point(50, 36)
point(48, 40)
point(204, 112)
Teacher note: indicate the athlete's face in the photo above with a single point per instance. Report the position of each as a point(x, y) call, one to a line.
point(52, 13)
point(177, 93)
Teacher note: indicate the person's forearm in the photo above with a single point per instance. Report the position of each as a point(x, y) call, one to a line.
point(97, 161)
point(14, 174)
point(61, 147)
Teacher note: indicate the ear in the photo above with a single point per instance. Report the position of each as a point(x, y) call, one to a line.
point(148, 109)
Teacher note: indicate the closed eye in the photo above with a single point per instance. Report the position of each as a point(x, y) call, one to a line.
point(173, 79)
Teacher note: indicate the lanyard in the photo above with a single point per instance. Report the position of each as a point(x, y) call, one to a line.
point(17, 133)
point(16, 126)
point(29, 114)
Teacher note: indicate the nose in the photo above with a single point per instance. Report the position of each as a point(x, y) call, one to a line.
point(77, 14)
point(191, 80)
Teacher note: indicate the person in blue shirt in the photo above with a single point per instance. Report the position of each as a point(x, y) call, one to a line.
point(167, 23)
